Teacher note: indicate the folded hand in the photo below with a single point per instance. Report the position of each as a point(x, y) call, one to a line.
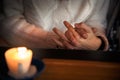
point(80, 37)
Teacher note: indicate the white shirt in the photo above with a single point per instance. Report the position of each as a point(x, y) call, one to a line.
point(51, 13)
point(48, 14)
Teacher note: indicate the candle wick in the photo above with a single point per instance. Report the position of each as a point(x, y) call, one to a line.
point(20, 68)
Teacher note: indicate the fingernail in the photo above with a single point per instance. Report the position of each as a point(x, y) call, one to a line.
point(64, 22)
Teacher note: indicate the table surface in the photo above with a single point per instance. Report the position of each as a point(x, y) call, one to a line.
point(76, 64)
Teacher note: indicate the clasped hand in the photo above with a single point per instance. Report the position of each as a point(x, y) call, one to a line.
point(81, 37)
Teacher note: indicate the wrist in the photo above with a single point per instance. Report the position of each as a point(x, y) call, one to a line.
point(50, 39)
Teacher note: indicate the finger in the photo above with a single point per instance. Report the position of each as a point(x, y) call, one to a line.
point(82, 33)
point(74, 41)
point(68, 25)
point(85, 36)
point(59, 43)
point(71, 38)
point(83, 26)
point(68, 45)
point(70, 28)
point(60, 34)
point(69, 35)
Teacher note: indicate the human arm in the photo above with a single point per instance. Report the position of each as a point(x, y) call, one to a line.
point(17, 31)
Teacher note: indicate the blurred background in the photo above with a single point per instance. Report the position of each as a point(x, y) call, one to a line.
point(113, 28)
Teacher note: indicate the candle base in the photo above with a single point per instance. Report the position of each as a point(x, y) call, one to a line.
point(32, 71)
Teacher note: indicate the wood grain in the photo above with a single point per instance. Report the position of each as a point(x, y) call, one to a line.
point(60, 69)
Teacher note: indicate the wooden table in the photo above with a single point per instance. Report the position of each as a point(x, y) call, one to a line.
point(77, 64)
point(58, 69)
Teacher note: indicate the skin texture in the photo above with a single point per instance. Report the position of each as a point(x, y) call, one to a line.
point(81, 37)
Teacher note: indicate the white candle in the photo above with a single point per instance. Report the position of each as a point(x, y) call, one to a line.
point(18, 59)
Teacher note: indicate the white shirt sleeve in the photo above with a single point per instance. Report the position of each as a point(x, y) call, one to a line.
point(98, 21)
point(18, 32)
point(97, 18)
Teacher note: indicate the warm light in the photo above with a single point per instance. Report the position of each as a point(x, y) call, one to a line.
point(22, 52)
point(18, 59)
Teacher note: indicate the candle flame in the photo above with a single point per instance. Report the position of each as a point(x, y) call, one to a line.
point(22, 51)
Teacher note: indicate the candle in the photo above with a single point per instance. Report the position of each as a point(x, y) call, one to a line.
point(18, 60)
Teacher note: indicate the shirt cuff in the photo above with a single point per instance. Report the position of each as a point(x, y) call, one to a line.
point(105, 44)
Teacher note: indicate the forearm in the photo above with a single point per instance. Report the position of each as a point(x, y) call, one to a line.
point(18, 32)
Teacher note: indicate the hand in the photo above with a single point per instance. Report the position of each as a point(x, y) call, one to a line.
point(82, 37)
